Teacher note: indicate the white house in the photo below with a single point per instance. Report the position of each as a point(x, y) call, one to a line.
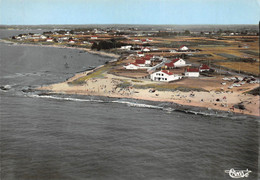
point(49, 40)
point(173, 51)
point(136, 40)
point(184, 48)
point(175, 63)
point(146, 49)
point(164, 76)
point(126, 47)
point(192, 72)
point(93, 37)
point(43, 37)
point(140, 54)
point(204, 68)
point(71, 41)
point(132, 66)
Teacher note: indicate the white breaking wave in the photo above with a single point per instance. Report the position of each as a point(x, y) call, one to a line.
point(138, 104)
point(131, 104)
point(64, 98)
point(94, 100)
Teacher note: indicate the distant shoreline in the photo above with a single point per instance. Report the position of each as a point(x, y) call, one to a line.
point(102, 53)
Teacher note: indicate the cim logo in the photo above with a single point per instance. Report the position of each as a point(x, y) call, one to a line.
point(238, 173)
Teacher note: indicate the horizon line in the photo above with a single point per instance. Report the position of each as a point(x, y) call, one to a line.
point(117, 24)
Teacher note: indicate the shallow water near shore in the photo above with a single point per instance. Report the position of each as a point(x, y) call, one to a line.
point(83, 137)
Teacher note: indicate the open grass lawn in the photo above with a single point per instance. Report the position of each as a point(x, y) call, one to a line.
point(97, 73)
point(252, 68)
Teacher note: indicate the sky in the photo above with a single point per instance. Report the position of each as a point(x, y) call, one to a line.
point(40, 12)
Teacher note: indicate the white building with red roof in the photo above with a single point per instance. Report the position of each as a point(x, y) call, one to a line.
point(192, 72)
point(164, 76)
point(140, 54)
point(71, 41)
point(146, 49)
point(204, 68)
point(93, 37)
point(175, 63)
point(132, 66)
point(136, 40)
point(49, 40)
point(184, 48)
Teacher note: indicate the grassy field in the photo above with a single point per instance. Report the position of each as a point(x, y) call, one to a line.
point(252, 68)
point(95, 74)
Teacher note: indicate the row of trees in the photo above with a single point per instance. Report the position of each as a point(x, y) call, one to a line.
point(109, 44)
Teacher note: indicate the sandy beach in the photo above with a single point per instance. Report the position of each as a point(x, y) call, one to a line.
point(108, 86)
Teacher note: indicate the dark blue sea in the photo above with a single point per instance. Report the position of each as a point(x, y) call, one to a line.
point(67, 137)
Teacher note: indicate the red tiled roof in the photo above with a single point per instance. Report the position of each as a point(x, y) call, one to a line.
point(140, 61)
point(175, 60)
point(167, 72)
point(192, 70)
point(204, 66)
point(146, 58)
point(170, 64)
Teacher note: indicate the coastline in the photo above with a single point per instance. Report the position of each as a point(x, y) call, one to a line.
point(107, 86)
point(101, 53)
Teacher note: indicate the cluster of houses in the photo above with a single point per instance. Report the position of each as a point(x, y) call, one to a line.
point(143, 40)
point(59, 39)
point(30, 36)
point(153, 63)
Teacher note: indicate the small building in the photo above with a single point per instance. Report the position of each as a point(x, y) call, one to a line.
point(71, 41)
point(93, 37)
point(126, 47)
point(175, 63)
point(143, 41)
point(169, 65)
point(204, 68)
point(140, 62)
point(172, 51)
point(49, 40)
point(146, 49)
point(136, 40)
point(43, 37)
point(164, 76)
point(140, 54)
point(184, 48)
point(132, 66)
point(192, 72)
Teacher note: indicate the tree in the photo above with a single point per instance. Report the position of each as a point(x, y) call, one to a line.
point(94, 45)
point(186, 32)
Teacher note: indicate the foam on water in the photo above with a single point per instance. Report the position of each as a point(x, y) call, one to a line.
point(130, 104)
point(63, 98)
